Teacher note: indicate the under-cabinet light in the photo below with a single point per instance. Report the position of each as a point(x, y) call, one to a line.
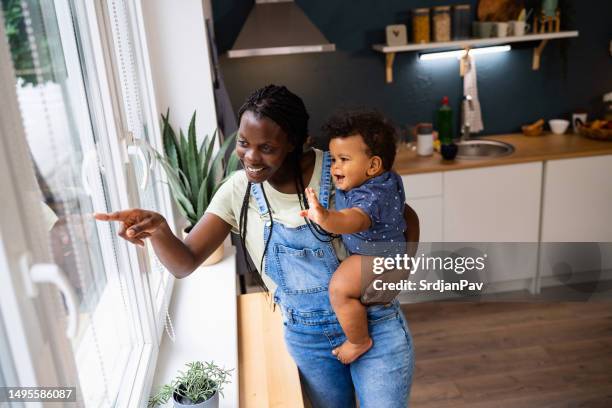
point(461, 53)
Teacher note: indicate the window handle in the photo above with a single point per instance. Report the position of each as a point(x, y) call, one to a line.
point(90, 156)
point(141, 149)
point(51, 273)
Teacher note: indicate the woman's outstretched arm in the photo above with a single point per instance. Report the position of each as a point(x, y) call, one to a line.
point(179, 257)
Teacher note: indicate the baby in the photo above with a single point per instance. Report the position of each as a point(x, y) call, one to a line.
point(369, 215)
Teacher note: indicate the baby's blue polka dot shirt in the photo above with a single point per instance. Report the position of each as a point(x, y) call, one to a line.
point(382, 199)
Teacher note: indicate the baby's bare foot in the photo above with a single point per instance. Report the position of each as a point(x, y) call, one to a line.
point(349, 352)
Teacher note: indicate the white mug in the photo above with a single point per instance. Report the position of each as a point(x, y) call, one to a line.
point(582, 117)
point(517, 28)
point(501, 29)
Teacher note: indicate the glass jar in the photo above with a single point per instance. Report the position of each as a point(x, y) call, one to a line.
point(424, 139)
point(420, 25)
point(441, 23)
point(462, 21)
point(608, 102)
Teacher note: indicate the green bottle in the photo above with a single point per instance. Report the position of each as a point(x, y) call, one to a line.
point(445, 122)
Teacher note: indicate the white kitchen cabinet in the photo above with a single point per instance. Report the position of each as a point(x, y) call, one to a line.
point(564, 203)
point(492, 204)
point(429, 211)
point(578, 200)
point(577, 208)
point(424, 195)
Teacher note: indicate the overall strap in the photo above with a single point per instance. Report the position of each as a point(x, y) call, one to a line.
point(257, 192)
point(325, 180)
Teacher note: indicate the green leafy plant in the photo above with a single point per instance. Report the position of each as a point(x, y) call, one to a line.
point(199, 383)
point(194, 174)
point(16, 33)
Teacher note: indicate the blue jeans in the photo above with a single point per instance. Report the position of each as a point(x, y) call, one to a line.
point(382, 377)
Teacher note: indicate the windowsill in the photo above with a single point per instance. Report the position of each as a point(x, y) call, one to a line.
point(203, 312)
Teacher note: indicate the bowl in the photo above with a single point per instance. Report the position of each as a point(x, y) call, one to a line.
point(532, 130)
point(558, 126)
point(449, 151)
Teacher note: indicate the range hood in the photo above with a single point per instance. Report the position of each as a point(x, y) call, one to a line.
point(278, 27)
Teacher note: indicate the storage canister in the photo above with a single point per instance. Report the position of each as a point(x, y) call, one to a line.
point(462, 21)
point(441, 23)
point(424, 139)
point(420, 25)
point(608, 101)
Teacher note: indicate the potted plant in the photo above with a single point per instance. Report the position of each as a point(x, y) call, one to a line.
point(194, 173)
point(198, 387)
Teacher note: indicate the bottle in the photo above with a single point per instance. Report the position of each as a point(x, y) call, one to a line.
point(424, 139)
point(445, 122)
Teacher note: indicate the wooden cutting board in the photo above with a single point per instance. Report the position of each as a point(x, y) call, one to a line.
point(499, 10)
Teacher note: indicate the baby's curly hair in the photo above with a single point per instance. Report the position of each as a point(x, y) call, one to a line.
point(376, 130)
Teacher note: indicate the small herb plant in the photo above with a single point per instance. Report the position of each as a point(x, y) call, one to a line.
point(193, 173)
point(198, 384)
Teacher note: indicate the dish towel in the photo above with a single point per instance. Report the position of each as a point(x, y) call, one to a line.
point(470, 87)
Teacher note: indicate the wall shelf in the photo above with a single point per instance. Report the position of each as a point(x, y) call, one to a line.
point(390, 51)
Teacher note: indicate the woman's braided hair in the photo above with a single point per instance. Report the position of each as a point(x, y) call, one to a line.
point(288, 111)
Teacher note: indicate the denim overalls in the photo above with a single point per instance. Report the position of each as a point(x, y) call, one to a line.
point(301, 265)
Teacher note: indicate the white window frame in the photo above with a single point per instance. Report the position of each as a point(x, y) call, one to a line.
point(151, 118)
point(30, 342)
point(126, 253)
point(104, 105)
point(105, 64)
point(149, 107)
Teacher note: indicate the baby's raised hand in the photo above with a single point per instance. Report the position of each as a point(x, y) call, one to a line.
point(316, 212)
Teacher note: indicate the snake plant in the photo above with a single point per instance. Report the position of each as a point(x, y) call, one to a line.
point(193, 172)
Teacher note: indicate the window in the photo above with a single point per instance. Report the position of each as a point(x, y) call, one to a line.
point(83, 130)
point(141, 121)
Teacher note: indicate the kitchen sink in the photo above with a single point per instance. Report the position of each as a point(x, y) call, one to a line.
point(483, 149)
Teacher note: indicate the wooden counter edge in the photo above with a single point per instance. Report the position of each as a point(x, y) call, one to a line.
point(268, 377)
point(527, 149)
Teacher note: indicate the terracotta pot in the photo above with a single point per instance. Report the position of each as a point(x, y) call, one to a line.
point(214, 258)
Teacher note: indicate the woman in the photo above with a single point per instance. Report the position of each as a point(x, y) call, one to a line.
point(262, 203)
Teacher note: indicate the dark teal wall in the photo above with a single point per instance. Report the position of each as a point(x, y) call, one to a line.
point(574, 74)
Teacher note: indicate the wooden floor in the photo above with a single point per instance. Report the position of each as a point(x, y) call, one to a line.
point(501, 354)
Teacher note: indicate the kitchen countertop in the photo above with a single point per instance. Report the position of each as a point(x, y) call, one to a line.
point(548, 146)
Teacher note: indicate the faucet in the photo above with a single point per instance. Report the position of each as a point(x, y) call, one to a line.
point(465, 125)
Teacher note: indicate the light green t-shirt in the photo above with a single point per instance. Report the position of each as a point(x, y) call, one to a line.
point(227, 203)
